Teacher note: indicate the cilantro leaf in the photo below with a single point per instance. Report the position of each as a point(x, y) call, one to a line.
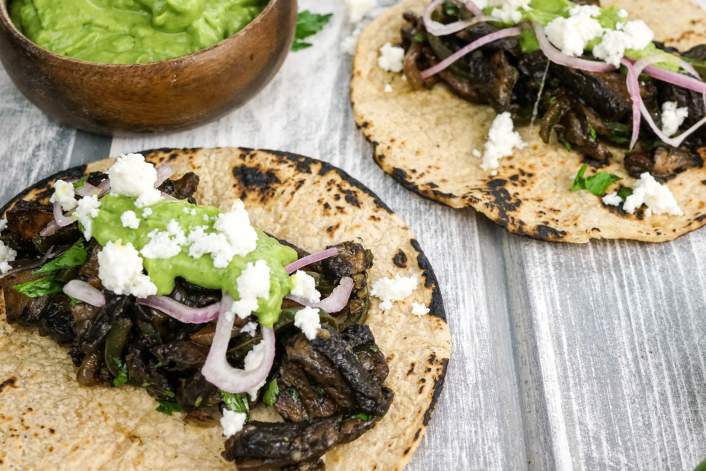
point(362, 416)
point(624, 192)
point(271, 393)
point(308, 24)
point(169, 407)
point(80, 182)
point(597, 184)
point(235, 402)
point(121, 378)
point(75, 256)
point(39, 287)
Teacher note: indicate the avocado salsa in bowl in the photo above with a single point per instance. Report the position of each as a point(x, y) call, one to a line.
point(124, 66)
point(131, 31)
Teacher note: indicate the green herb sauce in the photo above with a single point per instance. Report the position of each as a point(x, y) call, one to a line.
point(131, 31)
point(199, 271)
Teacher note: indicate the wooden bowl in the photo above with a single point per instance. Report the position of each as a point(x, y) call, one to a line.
point(159, 96)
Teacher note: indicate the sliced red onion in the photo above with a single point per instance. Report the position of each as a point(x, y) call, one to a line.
point(50, 230)
point(59, 217)
point(680, 80)
point(338, 299)
point(472, 7)
point(84, 292)
point(477, 44)
point(219, 372)
point(311, 259)
point(440, 29)
point(88, 190)
point(164, 171)
point(181, 312)
point(636, 98)
point(335, 302)
point(558, 57)
point(633, 82)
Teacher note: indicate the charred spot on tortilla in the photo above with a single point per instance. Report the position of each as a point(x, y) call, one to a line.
point(126, 341)
point(582, 116)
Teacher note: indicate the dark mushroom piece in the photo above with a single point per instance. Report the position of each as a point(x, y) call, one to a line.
point(664, 163)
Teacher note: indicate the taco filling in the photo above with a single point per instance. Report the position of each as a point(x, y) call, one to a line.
point(208, 314)
point(591, 76)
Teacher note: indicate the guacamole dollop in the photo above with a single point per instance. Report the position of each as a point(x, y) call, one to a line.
point(201, 271)
point(131, 31)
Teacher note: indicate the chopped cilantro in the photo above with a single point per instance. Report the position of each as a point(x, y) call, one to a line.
point(80, 182)
point(308, 24)
point(121, 378)
point(271, 393)
point(198, 401)
point(293, 393)
point(596, 184)
point(592, 133)
point(39, 287)
point(169, 407)
point(235, 402)
point(528, 41)
point(624, 192)
point(362, 416)
point(75, 256)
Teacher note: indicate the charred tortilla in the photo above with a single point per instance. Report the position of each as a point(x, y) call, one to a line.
point(424, 140)
point(48, 421)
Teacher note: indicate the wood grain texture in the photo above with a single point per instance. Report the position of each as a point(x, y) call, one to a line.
point(586, 358)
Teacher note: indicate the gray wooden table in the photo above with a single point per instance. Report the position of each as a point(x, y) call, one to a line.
point(565, 357)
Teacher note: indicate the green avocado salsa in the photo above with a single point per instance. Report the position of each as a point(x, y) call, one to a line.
point(107, 227)
point(131, 31)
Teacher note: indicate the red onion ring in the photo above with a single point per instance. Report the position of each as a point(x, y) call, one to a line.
point(440, 29)
point(556, 56)
point(636, 97)
point(218, 371)
point(633, 81)
point(334, 302)
point(311, 259)
point(472, 7)
point(181, 312)
point(164, 171)
point(50, 230)
point(84, 292)
point(477, 44)
point(59, 217)
point(90, 190)
point(338, 299)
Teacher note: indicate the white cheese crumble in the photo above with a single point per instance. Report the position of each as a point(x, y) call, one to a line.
point(86, 210)
point(350, 42)
point(64, 194)
point(165, 244)
point(232, 422)
point(509, 11)
point(7, 256)
point(308, 321)
point(358, 9)
point(388, 88)
point(571, 35)
point(252, 361)
point(130, 220)
point(419, 309)
point(391, 58)
point(390, 290)
point(304, 286)
point(3, 225)
point(673, 117)
point(502, 141)
point(657, 197)
point(253, 283)
point(120, 270)
point(212, 243)
point(632, 35)
point(235, 225)
point(147, 212)
point(132, 176)
point(612, 199)
point(250, 328)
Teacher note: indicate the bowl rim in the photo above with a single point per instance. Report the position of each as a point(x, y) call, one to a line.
point(7, 23)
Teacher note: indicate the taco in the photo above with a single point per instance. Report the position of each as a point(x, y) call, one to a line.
point(144, 317)
point(563, 121)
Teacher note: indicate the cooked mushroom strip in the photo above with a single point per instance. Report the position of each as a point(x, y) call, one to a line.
point(25, 222)
point(183, 188)
point(662, 162)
